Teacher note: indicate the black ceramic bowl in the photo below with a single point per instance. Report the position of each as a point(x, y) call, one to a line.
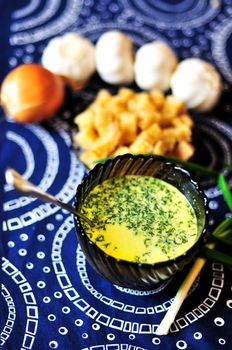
point(131, 274)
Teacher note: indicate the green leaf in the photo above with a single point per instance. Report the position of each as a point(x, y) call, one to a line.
point(222, 226)
point(223, 234)
point(224, 187)
point(225, 240)
point(213, 254)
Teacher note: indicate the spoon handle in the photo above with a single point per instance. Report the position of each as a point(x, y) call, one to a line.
point(26, 187)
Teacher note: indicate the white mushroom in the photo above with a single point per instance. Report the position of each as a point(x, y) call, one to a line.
point(72, 57)
point(197, 83)
point(154, 65)
point(114, 58)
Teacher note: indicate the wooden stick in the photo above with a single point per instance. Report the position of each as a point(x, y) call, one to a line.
point(169, 318)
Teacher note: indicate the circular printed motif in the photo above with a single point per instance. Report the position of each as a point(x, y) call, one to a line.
point(23, 237)
point(221, 48)
point(29, 265)
point(49, 147)
point(46, 269)
point(197, 335)
point(40, 255)
point(66, 310)
point(181, 344)
point(174, 14)
point(22, 252)
point(11, 244)
point(41, 238)
point(94, 30)
point(41, 284)
point(51, 317)
point(78, 322)
point(96, 326)
point(219, 321)
point(63, 330)
point(156, 341)
point(53, 344)
point(33, 23)
point(46, 300)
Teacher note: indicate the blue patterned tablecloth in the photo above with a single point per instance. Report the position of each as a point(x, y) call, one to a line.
point(50, 297)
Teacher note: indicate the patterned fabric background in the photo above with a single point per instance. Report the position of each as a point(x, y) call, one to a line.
point(50, 297)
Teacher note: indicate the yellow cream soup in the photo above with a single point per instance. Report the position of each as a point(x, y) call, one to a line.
point(140, 218)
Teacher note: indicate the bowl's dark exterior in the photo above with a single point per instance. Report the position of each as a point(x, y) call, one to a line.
point(129, 274)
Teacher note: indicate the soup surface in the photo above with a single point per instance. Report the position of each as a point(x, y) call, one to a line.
point(140, 218)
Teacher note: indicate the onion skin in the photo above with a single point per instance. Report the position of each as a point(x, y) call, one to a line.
point(30, 93)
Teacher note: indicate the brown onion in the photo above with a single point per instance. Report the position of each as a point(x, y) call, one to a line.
point(31, 93)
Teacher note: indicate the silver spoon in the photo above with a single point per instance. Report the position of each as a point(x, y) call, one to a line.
point(24, 186)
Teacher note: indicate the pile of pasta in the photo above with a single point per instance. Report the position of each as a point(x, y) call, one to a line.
point(134, 122)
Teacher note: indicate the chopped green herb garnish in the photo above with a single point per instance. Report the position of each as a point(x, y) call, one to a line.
point(143, 207)
point(100, 238)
